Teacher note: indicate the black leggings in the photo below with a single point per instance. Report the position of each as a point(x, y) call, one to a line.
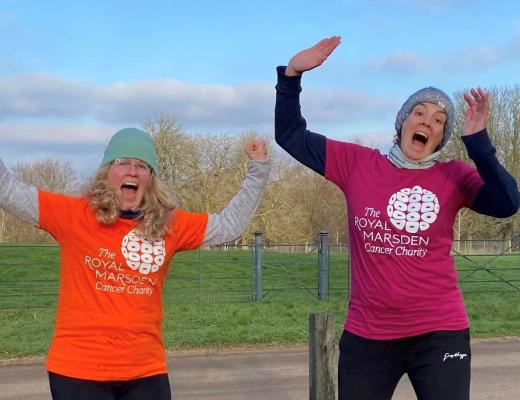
point(155, 387)
point(438, 365)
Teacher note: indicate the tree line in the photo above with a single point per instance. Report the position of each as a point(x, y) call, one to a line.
point(205, 171)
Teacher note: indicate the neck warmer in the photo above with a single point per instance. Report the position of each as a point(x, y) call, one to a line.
point(397, 158)
point(129, 214)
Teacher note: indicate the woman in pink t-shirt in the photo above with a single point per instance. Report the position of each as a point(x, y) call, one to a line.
point(406, 313)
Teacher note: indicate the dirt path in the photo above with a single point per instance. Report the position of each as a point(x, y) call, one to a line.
point(272, 374)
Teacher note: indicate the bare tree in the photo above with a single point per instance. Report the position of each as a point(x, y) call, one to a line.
point(177, 154)
point(504, 130)
point(50, 175)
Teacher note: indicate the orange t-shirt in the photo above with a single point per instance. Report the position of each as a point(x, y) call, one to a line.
point(108, 322)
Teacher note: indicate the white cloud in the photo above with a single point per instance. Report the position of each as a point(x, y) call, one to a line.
point(193, 105)
point(344, 106)
point(43, 95)
point(85, 156)
point(63, 133)
point(479, 58)
point(44, 99)
point(475, 58)
point(400, 62)
point(45, 116)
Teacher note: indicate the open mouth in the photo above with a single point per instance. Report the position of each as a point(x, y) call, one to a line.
point(420, 137)
point(129, 187)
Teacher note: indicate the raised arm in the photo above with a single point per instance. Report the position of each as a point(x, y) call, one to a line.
point(499, 196)
point(290, 127)
point(18, 198)
point(234, 218)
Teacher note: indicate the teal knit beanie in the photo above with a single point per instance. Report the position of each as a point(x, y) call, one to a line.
point(131, 143)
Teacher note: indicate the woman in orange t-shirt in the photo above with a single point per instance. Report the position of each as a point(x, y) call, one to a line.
point(117, 242)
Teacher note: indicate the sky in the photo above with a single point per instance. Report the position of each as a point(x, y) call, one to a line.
point(74, 72)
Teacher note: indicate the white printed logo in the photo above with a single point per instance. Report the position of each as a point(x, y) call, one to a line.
point(143, 255)
point(458, 355)
point(413, 209)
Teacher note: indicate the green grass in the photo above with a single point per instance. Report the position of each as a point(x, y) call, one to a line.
point(208, 298)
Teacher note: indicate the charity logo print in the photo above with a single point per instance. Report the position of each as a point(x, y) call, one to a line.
point(413, 209)
point(143, 255)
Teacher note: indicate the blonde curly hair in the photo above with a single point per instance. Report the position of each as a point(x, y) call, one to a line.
point(155, 208)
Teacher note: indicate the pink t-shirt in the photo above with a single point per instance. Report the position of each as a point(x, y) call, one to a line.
point(400, 225)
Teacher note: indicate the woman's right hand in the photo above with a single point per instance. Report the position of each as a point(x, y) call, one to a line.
point(312, 57)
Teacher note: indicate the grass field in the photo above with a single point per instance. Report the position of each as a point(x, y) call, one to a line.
point(208, 298)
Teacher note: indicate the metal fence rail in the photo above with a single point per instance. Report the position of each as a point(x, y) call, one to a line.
point(29, 275)
point(488, 265)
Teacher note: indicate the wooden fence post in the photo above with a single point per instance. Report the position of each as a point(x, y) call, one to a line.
point(322, 348)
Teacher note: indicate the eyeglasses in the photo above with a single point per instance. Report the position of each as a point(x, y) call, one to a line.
point(126, 164)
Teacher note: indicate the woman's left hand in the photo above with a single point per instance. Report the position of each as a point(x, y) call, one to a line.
point(476, 116)
point(257, 150)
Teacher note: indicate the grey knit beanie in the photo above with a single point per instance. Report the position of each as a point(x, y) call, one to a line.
point(131, 143)
point(428, 95)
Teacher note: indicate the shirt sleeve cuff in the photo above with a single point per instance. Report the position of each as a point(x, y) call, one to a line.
point(287, 84)
point(478, 145)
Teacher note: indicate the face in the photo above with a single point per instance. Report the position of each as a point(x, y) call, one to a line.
point(130, 178)
point(422, 131)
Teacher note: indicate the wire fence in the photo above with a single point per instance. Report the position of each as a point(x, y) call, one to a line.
point(29, 275)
